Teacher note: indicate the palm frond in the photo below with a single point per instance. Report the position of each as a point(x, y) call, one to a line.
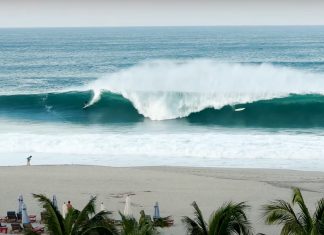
point(100, 228)
point(291, 229)
point(131, 227)
point(281, 212)
point(192, 228)
point(230, 219)
point(102, 222)
point(30, 232)
point(319, 212)
point(101, 216)
point(129, 224)
point(54, 219)
point(69, 221)
point(318, 217)
point(147, 229)
point(84, 215)
point(217, 219)
point(304, 216)
point(163, 222)
point(239, 222)
point(199, 218)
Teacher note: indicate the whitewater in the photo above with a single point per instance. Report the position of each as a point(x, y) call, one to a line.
point(162, 90)
point(201, 96)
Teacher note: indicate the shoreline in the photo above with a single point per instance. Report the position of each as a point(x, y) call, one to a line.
point(175, 188)
point(256, 168)
point(227, 165)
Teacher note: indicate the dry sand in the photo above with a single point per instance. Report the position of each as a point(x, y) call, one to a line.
point(173, 187)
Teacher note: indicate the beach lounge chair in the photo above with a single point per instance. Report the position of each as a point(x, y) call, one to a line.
point(19, 216)
point(32, 218)
point(29, 227)
point(16, 228)
point(11, 217)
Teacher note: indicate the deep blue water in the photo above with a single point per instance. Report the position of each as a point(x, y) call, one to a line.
point(55, 58)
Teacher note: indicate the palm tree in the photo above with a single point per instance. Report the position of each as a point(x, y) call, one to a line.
point(300, 222)
point(163, 222)
point(130, 226)
point(84, 222)
point(227, 220)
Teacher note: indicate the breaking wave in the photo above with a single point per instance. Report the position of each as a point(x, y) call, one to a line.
point(199, 91)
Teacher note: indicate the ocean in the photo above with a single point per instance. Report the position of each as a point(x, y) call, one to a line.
point(178, 96)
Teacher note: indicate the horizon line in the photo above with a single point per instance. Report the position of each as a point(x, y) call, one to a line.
point(164, 26)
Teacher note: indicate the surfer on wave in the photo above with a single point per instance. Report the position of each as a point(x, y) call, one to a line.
point(85, 105)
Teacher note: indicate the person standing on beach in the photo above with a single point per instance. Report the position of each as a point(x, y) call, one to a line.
point(102, 207)
point(69, 205)
point(28, 160)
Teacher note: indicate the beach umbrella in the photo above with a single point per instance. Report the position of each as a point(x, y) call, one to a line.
point(24, 217)
point(20, 203)
point(64, 210)
point(128, 209)
point(54, 201)
point(156, 211)
point(102, 207)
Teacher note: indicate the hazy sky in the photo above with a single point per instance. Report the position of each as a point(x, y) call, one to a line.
point(53, 13)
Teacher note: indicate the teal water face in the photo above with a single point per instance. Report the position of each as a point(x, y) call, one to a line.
point(151, 93)
point(294, 111)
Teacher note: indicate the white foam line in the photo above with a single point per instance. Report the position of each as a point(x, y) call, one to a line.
point(170, 89)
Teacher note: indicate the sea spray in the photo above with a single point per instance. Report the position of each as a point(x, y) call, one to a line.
point(199, 91)
point(167, 89)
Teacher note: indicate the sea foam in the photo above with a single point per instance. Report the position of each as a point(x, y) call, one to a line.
point(199, 147)
point(169, 89)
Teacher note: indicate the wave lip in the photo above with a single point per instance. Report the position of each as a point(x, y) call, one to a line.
point(197, 91)
point(166, 89)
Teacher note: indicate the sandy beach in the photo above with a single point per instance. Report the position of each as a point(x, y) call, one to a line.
point(173, 187)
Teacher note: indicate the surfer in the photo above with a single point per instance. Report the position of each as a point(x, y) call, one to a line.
point(85, 105)
point(237, 109)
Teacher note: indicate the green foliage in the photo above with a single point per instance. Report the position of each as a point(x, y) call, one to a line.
point(163, 222)
point(84, 222)
point(129, 226)
point(30, 232)
point(298, 222)
point(227, 220)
